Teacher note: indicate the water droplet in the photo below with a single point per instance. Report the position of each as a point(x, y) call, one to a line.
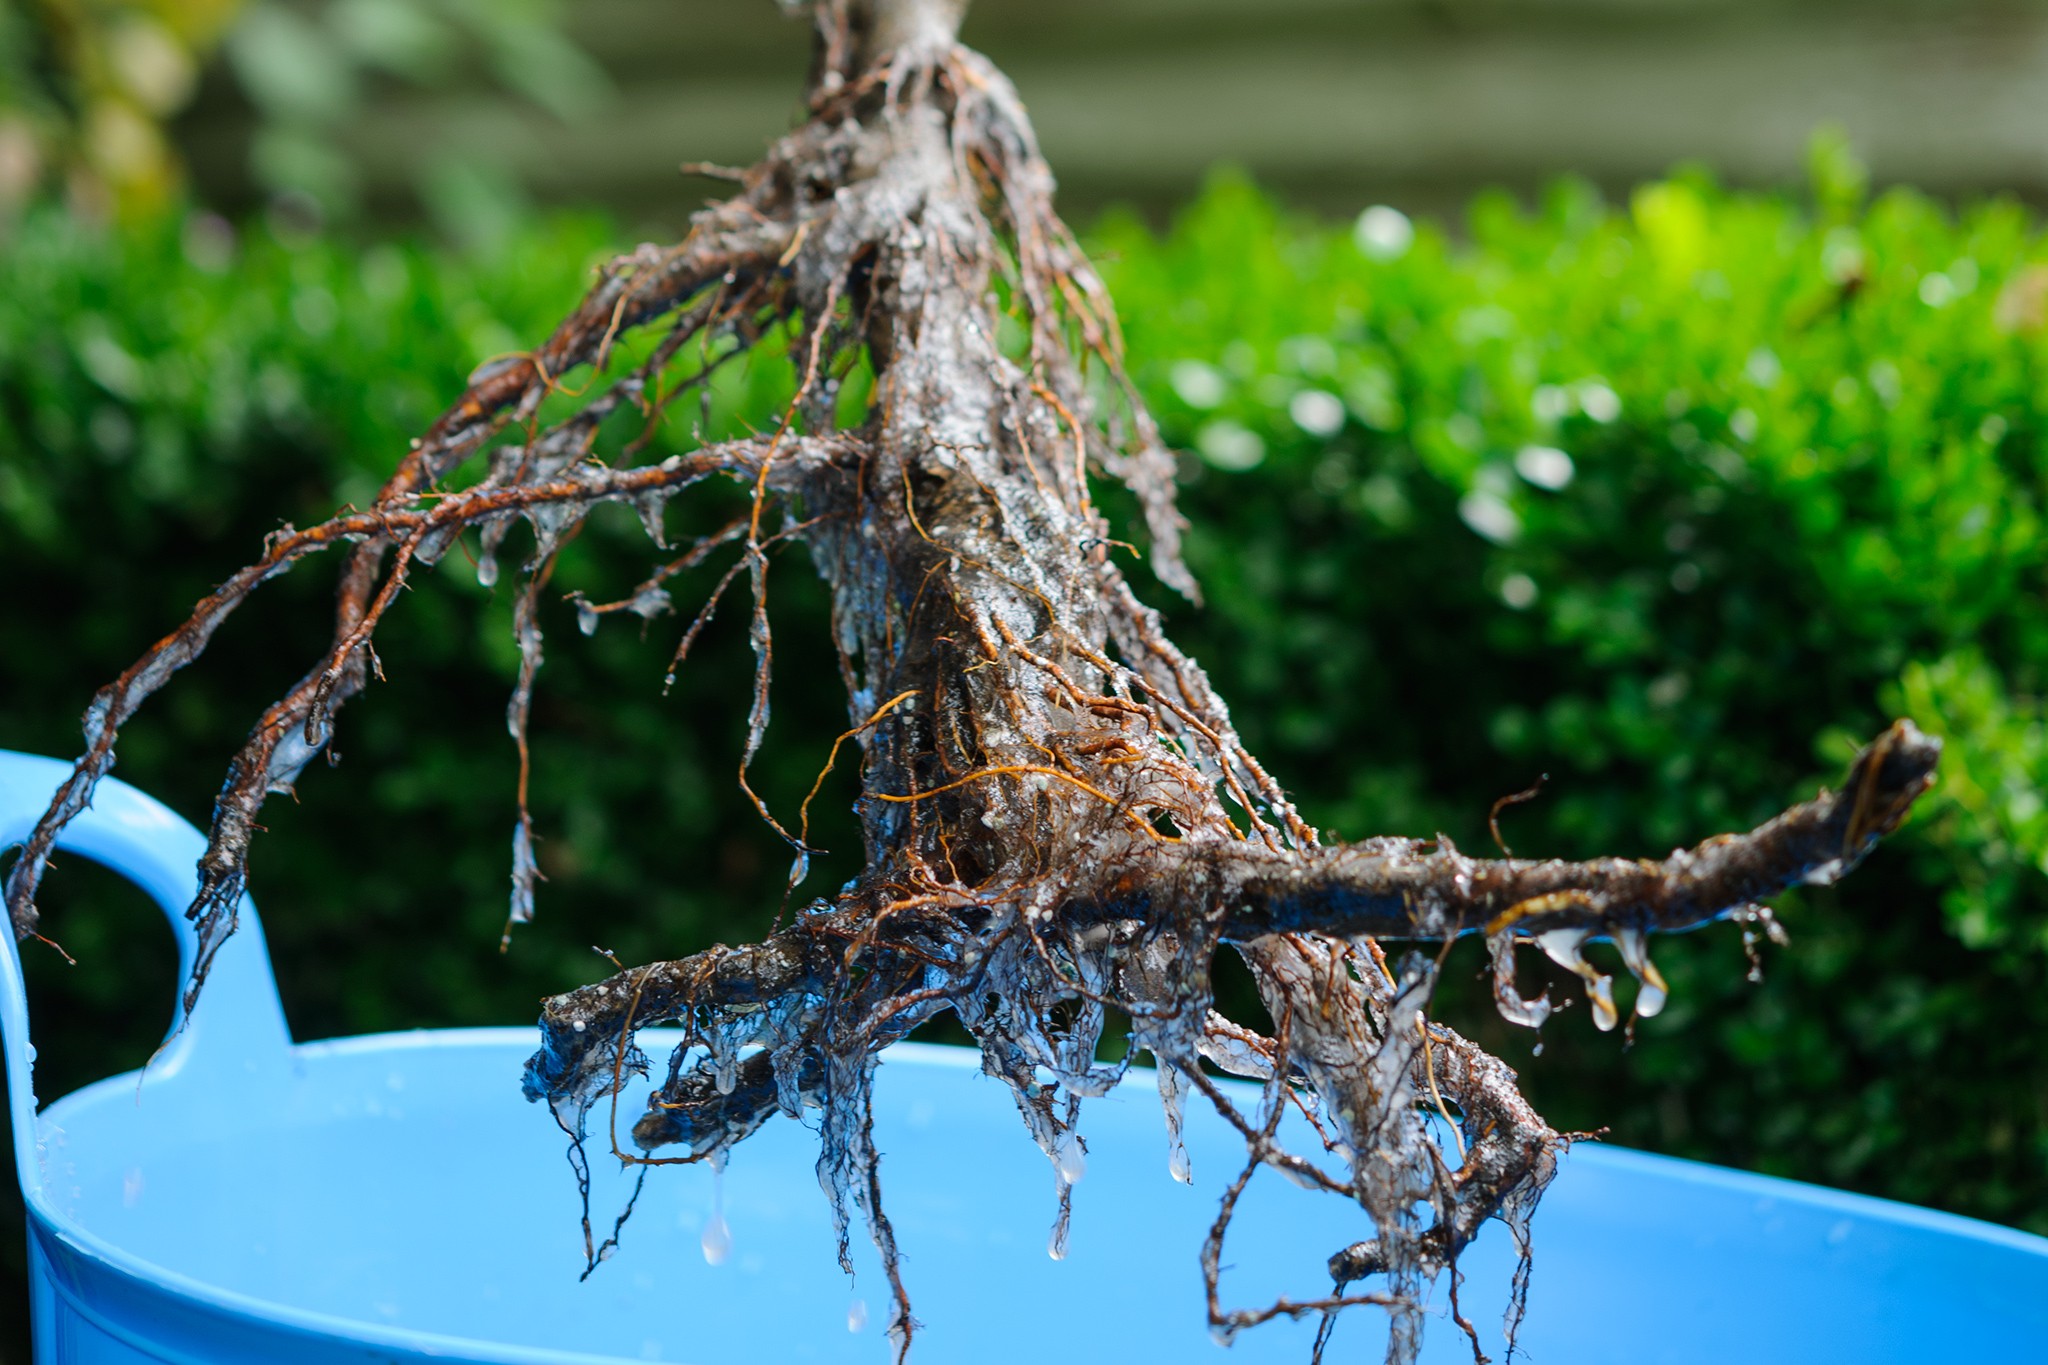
point(1600, 991)
point(1506, 998)
point(1562, 947)
point(487, 571)
point(1068, 1157)
point(1173, 1093)
point(717, 1240)
point(1056, 1245)
point(586, 618)
point(525, 871)
point(649, 603)
point(1825, 874)
point(607, 1251)
point(1634, 951)
point(650, 506)
point(857, 1315)
point(724, 1061)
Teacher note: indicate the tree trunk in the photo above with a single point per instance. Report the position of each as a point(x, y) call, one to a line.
point(1060, 822)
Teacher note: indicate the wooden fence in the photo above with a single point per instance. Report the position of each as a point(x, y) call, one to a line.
point(1336, 102)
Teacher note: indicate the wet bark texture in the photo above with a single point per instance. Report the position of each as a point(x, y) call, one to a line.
point(1060, 822)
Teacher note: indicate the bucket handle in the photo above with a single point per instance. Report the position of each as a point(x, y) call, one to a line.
point(238, 1026)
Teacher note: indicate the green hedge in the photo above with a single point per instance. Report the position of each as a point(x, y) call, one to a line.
point(1673, 500)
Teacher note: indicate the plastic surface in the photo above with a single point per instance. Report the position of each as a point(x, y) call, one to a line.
point(393, 1199)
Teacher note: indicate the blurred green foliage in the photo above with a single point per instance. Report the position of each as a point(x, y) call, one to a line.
point(1674, 501)
point(310, 68)
point(89, 89)
point(85, 91)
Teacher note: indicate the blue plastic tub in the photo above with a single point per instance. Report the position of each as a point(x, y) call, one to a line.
point(392, 1198)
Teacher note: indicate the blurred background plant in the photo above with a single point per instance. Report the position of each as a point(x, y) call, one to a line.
point(90, 89)
point(84, 92)
point(1659, 487)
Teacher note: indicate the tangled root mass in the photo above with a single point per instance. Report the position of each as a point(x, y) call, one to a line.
point(1061, 826)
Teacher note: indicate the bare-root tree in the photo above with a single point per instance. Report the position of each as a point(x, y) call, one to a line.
point(1060, 822)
